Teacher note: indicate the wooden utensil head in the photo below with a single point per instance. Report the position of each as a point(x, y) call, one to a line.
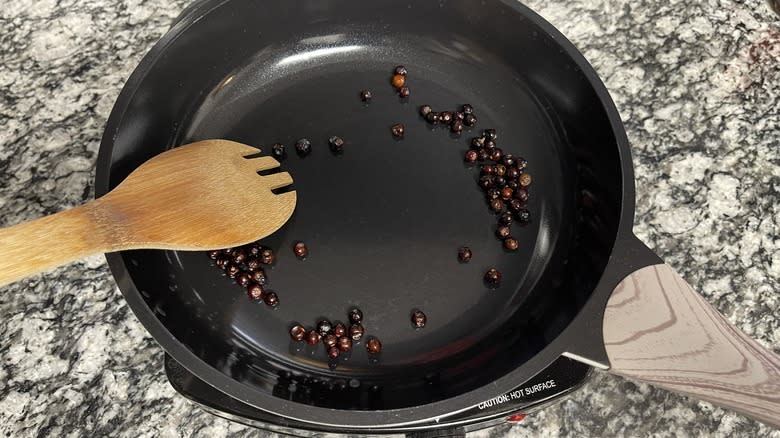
point(204, 195)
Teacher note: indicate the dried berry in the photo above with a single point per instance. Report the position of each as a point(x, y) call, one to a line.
point(324, 327)
point(525, 180)
point(252, 263)
point(483, 155)
point(521, 194)
point(339, 330)
point(355, 315)
point(401, 70)
point(279, 152)
point(503, 231)
point(493, 277)
point(464, 254)
point(485, 181)
point(333, 352)
point(398, 81)
point(446, 117)
point(365, 96)
point(345, 344)
point(397, 130)
point(467, 109)
point(303, 147)
point(373, 346)
point(298, 332)
point(512, 173)
point(356, 331)
point(239, 256)
point(508, 160)
point(404, 92)
point(515, 204)
point(487, 169)
point(506, 193)
point(493, 193)
point(419, 319)
point(497, 205)
point(490, 134)
point(313, 338)
point(300, 250)
point(425, 110)
point(266, 256)
point(478, 142)
point(258, 276)
point(271, 299)
point(255, 291)
point(243, 279)
point(471, 156)
point(330, 340)
point(496, 155)
point(336, 144)
point(505, 218)
point(456, 127)
point(231, 269)
point(433, 118)
point(511, 243)
point(499, 169)
point(213, 255)
point(523, 216)
point(470, 120)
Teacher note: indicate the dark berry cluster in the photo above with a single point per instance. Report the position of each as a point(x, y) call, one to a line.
point(336, 336)
point(505, 181)
point(456, 120)
point(399, 81)
point(245, 266)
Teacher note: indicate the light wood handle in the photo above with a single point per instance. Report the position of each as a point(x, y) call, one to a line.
point(44, 243)
point(657, 329)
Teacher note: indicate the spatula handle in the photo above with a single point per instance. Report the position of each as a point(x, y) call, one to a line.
point(51, 241)
point(657, 329)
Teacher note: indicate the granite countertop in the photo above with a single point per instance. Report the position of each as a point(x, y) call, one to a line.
point(697, 84)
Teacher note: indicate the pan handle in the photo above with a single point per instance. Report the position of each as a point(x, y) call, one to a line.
point(658, 330)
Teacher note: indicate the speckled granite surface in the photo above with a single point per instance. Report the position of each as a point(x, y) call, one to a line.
point(697, 83)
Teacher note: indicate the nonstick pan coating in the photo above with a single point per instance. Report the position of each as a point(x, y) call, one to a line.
point(384, 220)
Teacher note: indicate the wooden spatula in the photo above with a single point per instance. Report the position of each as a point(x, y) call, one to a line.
point(202, 196)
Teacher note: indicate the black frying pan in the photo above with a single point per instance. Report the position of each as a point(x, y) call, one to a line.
point(384, 220)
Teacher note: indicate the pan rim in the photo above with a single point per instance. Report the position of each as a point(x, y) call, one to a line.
point(364, 420)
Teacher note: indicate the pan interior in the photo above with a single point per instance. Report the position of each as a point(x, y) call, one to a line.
point(384, 220)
